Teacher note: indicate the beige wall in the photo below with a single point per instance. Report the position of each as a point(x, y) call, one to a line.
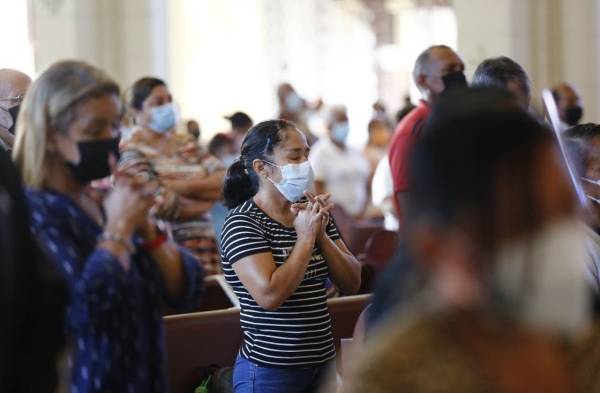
point(554, 40)
point(128, 38)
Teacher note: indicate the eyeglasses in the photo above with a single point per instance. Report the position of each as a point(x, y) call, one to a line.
point(14, 100)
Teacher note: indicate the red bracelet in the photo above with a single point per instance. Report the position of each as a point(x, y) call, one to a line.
point(153, 244)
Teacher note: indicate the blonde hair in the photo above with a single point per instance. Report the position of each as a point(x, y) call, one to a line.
point(49, 107)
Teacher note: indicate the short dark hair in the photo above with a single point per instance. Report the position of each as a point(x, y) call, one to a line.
point(142, 89)
point(498, 71)
point(218, 141)
point(578, 145)
point(240, 120)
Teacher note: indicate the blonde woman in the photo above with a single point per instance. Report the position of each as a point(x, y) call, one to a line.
point(118, 267)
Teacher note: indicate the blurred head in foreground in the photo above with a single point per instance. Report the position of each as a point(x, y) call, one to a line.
point(491, 215)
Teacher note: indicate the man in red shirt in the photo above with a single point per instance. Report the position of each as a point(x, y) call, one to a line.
point(437, 68)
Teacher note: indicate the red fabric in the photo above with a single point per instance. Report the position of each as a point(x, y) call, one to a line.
point(404, 138)
point(154, 243)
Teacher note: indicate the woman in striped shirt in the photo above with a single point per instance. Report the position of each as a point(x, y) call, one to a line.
point(278, 248)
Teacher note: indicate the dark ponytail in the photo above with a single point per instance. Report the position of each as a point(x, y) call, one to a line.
point(241, 182)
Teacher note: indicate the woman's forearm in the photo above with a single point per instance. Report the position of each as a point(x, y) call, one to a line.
point(167, 259)
point(208, 188)
point(193, 208)
point(344, 268)
point(169, 263)
point(287, 277)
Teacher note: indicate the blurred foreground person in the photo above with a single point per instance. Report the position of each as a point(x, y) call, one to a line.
point(278, 249)
point(119, 268)
point(191, 180)
point(583, 146)
point(569, 104)
point(492, 230)
point(504, 73)
point(13, 86)
point(33, 297)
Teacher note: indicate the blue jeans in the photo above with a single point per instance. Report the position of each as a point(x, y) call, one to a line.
point(249, 377)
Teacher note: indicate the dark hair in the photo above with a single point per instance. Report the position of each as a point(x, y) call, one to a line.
point(240, 120)
point(498, 71)
point(474, 137)
point(218, 141)
point(142, 89)
point(33, 296)
point(241, 182)
point(578, 144)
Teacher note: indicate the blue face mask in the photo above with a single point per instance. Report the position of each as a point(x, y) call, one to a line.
point(340, 131)
point(163, 118)
point(293, 102)
point(295, 179)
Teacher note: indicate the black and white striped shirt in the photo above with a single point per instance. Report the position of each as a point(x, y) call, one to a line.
point(298, 333)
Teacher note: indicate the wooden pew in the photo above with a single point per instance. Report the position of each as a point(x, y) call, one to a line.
point(217, 296)
point(214, 337)
point(355, 232)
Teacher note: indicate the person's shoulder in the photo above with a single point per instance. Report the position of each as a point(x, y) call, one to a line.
point(414, 120)
point(37, 197)
point(246, 212)
point(44, 206)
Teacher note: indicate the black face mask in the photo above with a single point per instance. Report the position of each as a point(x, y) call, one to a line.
point(454, 80)
point(93, 163)
point(14, 113)
point(573, 115)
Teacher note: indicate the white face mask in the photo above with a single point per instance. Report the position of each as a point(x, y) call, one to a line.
point(295, 179)
point(542, 279)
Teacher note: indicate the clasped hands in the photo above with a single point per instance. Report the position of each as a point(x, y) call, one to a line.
point(313, 214)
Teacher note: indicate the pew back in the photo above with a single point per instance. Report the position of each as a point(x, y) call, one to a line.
point(214, 337)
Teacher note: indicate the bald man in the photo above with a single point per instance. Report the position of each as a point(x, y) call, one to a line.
point(437, 68)
point(569, 103)
point(13, 85)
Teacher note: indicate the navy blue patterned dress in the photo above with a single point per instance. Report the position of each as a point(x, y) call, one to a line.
point(114, 316)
